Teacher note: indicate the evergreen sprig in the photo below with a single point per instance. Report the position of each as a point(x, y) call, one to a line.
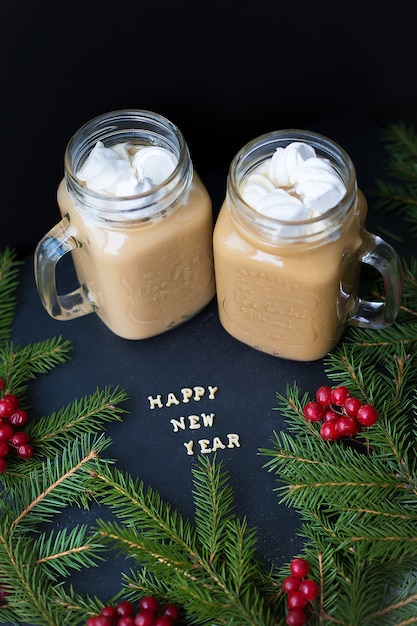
point(88, 414)
point(45, 488)
point(35, 559)
point(358, 502)
point(20, 365)
point(212, 568)
point(398, 193)
point(9, 271)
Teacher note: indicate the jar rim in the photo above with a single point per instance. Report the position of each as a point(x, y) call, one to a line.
point(284, 231)
point(124, 124)
point(269, 142)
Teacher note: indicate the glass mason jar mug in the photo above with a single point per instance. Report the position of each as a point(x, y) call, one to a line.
point(143, 250)
point(288, 267)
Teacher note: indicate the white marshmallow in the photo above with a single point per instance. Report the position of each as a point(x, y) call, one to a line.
point(103, 167)
point(115, 172)
point(318, 184)
point(314, 184)
point(281, 205)
point(130, 187)
point(257, 186)
point(155, 163)
point(285, 160)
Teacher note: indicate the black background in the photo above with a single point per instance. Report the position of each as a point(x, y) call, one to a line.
point(224, 72)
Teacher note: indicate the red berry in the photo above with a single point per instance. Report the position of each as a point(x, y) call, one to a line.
point(126, 620)
point(144, 618)
point(324, 395)
point(290, 584)
point(12, 398)
point(367, 415)
point(149, 603)
point(3, 466)
point(4, 449)
point(352, 406)
point(299, 568)
point(347, 426)
point(100, 620)
point(313, 411)
point(329, 431)
point(296, 617)
point(109, 611)
point(25, 451)
point(6, 407)
point(18, 417)
point(125, 608)
point(309, 588)
point(297, 600)
point(163, 620)
point(339, 395)
point(19, 438)
point(172, 610)
point(6, 432)
point(329, 415)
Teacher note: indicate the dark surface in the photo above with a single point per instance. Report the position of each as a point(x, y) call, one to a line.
point(198, 353)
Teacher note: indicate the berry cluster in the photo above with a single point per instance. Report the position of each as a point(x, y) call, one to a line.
point(150, 613)
point(300, 591)
point(12, 418)
point(341, 414)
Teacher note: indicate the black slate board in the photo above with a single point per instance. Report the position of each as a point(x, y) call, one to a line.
point(199, 353)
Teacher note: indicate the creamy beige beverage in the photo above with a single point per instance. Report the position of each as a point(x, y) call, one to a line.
point(149, 277)
point(289, 301)
point(138, 222)
point(288, 245)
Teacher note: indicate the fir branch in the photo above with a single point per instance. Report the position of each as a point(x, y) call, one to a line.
point(9, 272)
point(68, 550)
point(408, 310)
point(377, 344)
point(20, 365)
point(51, 485)
point(80, 607)
point(31, 597)
point(399, 197)
point(358, 505)
point(140, 582)
point(85, 415)
point(213, 509)
point(373, 378)
point(401, 144)
point(228, 586)
point(408, 307)
point(34, 565)
point(141, 508)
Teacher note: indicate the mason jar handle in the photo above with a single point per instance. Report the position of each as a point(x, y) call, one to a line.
point(381, 256)
point(53, 246)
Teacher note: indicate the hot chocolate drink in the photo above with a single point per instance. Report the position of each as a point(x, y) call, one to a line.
point(147, 277)
point(288, 245)
point(138, 222)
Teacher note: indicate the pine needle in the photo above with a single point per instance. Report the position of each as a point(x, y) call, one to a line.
point(9, 272)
